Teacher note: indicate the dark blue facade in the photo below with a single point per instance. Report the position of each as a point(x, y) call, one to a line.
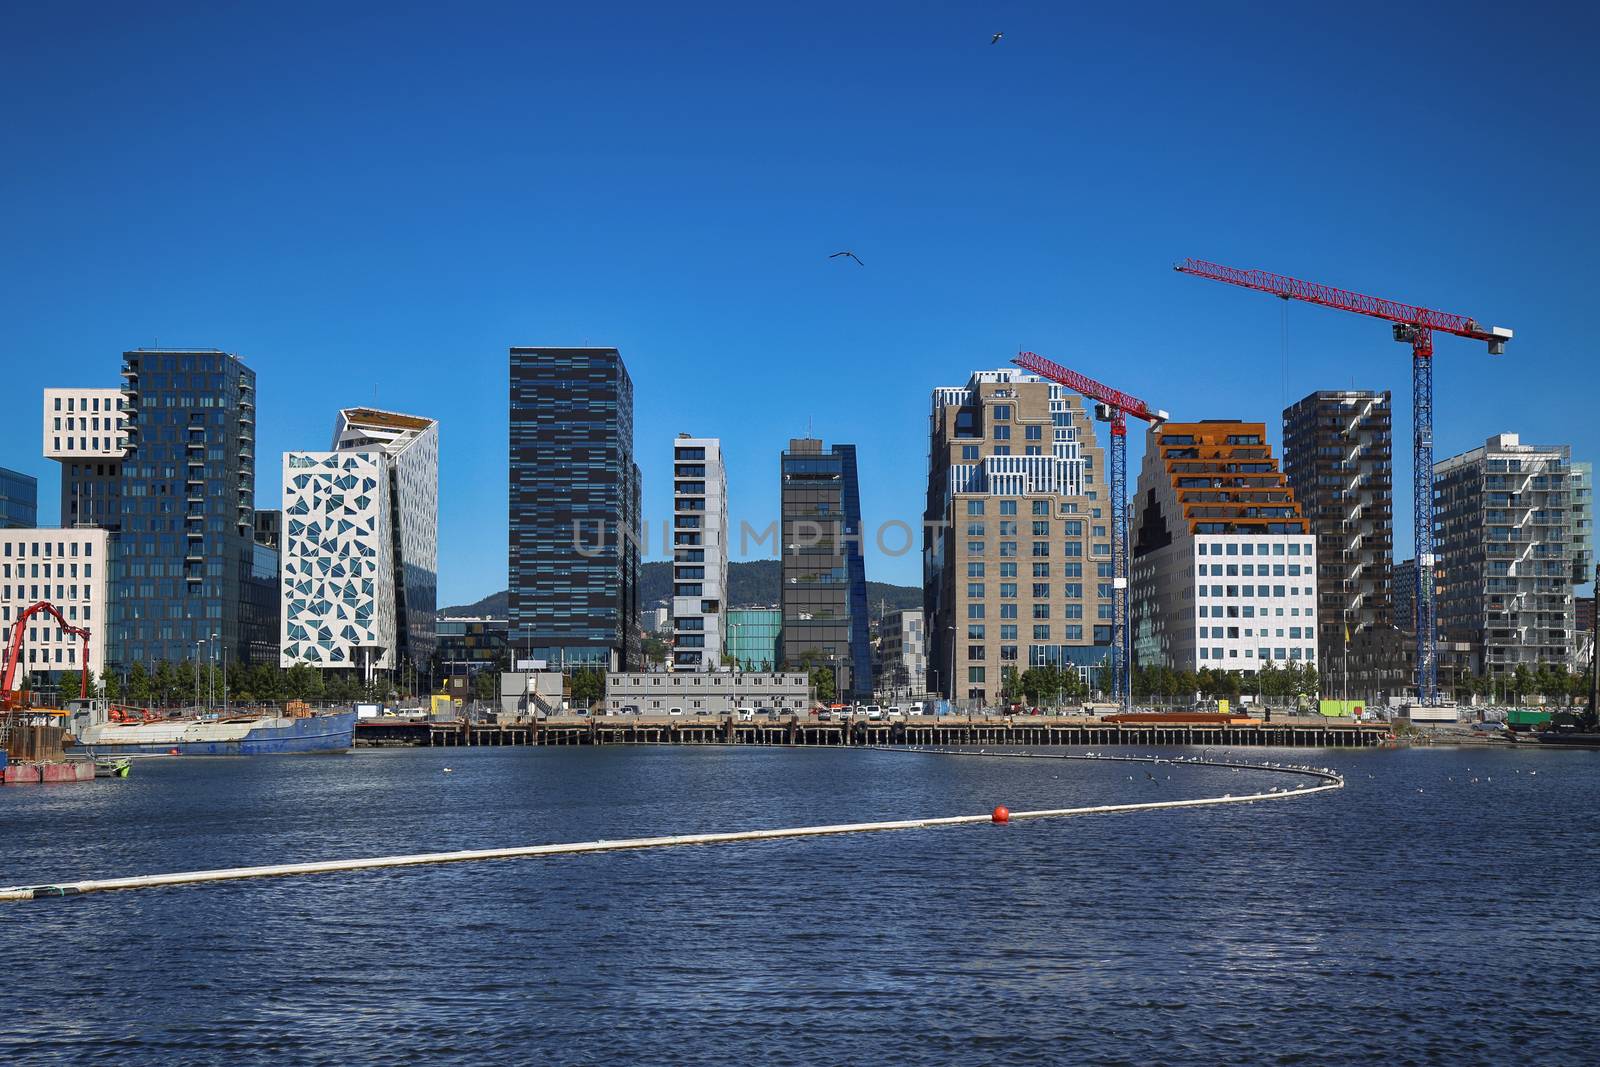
point(186, 580)
point(824, 592)
point(19, 500)
point(574, 509)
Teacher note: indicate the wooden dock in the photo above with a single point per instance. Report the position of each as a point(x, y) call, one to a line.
point(945, 730)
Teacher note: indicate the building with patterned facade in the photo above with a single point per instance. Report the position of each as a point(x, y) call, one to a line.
point(699, 553)
point(1338, 459)
point(575, 520)
point(359, 553)
point(824, 577)
point(1017, 569)
point(902, 653)
point(1224, 563)
point(1513, 533)
point(86, 432)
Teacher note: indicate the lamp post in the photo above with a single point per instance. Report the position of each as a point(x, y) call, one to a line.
point(197, 646)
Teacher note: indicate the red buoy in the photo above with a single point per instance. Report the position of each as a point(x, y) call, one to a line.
point(172, 752)
point(1002, 814)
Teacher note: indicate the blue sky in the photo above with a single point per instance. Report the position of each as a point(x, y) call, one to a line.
point(388, 196)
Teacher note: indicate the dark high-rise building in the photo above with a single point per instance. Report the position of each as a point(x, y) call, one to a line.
point(824, 574)
point(19, 500)
point(575, 510)
point(187, 580)
point(1337, 457)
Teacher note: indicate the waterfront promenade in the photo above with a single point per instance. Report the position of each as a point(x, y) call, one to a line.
point(1285, 732)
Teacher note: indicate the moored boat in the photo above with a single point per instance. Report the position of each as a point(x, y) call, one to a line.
point(240, 735)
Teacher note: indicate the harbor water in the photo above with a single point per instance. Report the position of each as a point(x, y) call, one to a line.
point(1441, 908)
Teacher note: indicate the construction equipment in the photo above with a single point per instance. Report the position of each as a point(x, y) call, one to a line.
point(14, 652)
point(1113, 406)
point(1414, 326)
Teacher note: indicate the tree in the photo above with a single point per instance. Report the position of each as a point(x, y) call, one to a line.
point(484, 684)
point(1010, 685)
point(655, 649)
point(1521, 681)
point(111, 685)
point(140, 690)
point(588, 687)
point(823, 684)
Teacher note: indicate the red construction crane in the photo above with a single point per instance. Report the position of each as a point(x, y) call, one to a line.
point(14, 652)
point(1113, 406)
point(1414, 326)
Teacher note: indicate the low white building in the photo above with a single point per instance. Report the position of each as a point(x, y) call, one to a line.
point(68, 569)
point(715, 692)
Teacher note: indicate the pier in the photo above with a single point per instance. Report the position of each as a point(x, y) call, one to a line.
point(944, 730)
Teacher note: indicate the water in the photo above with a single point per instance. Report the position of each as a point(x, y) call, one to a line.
point(1416, 916)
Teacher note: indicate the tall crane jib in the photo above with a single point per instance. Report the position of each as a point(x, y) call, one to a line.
point(1111, 406)
point(1414, 326)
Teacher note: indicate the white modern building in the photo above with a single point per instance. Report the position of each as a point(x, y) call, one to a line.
point(1223, 569)
point(70, 569)
point(360, 545)
point(699, 553)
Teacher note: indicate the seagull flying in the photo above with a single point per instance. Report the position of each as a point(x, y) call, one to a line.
point(852, 255)
point(996, 38)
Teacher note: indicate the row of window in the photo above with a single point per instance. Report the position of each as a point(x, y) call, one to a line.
point(23, 570)
point(1232, 632)
point(89, 403)
point(1249, 590)
point(1041, 527)
point(63, 592)
point(1250, 570)
point(71, 612)
point(976, 569)
point(1266, 653)
point(1246, 611)
point(1234, 548)
point(1041, 549)
point(52, 549)
point(1042, 611)
point(1041, 591)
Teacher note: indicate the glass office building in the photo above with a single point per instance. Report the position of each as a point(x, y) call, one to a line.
point(824, 594)
point(574, 510)
point(19, 500)
point(188, 578)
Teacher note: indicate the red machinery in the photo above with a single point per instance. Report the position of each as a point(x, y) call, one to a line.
point(14, 651)
point(1414, 326)
point(1113, 406)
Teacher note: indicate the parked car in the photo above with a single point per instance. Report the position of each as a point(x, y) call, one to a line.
point(675, 711)
point(745, 714)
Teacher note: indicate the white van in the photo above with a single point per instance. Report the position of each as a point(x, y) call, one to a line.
point(745, 714)
point(874, 712)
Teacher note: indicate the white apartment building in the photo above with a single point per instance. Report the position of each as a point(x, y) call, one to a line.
point(69, 569)
point(1223, 572)
point(84, 424)
point(699, 553)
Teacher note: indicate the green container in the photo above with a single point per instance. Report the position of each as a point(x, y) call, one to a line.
point(1336, 709)
point(1527, 717)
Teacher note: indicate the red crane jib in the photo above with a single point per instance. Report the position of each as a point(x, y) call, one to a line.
point(1342, 299)
point(14, 648)
point(1116, 398)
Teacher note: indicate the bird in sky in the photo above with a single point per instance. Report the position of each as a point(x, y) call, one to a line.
point(852, 255)
point(996, 38)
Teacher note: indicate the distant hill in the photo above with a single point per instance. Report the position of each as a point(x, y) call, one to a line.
point(754, 583)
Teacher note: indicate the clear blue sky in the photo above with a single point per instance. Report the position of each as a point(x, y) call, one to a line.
point(391, 195)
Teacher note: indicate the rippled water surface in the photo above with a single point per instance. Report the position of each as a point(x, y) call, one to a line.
point(1442, 908)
